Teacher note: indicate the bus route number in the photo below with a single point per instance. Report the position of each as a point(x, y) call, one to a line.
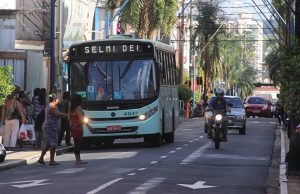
point(131, 113)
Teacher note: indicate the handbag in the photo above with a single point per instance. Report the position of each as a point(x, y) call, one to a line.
point(22, 133)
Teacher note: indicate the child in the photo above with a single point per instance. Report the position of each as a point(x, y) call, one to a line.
point(76, 120)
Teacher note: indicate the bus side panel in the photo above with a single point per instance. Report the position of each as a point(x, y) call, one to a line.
point(169, 104)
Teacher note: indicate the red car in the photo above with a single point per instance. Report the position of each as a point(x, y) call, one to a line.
point(257, 106)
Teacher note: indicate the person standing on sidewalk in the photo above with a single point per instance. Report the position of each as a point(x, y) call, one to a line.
point(39, 117)
point(65, 124)
point(51, 127)
point(75, 116)
point(279, 111)
point(11, 113)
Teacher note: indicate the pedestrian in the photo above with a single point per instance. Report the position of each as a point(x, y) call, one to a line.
point(36, 93)
point(279, 110)
point(39, 106)
point(11, 115)
point(51, 129)
point(75, 116)
point(65, 124)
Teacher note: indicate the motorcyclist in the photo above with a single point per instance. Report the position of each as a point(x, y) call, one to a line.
point(220, 106)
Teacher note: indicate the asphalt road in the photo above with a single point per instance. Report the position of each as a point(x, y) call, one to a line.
point(190, 165)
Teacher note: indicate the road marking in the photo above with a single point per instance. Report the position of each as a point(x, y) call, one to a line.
point(153, 162)
point(187, 130)
point(69, 171)
point(104, 186)
point(29, 183)
point(179, 148)
point(163, 156)
point(142, 189)
point(185, 145)
point(171, 152)
point(201, 136)
point(272, 122)
point(131, 174)
point(191, 141)
point(256, 122)
point(197, 185)
point(196, 154)
point(235, 157)
point(141, 169)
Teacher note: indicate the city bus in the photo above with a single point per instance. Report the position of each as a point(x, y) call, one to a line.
point(129, 90)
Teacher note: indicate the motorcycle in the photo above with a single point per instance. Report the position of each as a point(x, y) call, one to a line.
point(217, 134)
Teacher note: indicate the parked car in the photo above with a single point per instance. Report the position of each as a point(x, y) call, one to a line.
point(258, 106)
point(2, 153)
point(236, 117)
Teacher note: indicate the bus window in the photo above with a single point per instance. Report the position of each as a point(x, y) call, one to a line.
point(138, 80)
point(78, 78)
point(99, 81)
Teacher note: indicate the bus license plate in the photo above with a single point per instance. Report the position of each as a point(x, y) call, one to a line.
point(114, 128)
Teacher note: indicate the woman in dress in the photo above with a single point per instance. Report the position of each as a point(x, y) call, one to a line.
point(51, 127)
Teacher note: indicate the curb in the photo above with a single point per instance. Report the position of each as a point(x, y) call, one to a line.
point(32, 159)
point(282, 168)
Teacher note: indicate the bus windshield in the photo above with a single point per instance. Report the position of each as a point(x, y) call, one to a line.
point(114, 80)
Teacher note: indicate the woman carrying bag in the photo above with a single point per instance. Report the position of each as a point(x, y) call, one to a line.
point(11, 113)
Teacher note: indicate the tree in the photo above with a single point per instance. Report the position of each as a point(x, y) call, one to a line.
point(209, 22)
point(146, 17)
point(283, 65)
point(6, 86)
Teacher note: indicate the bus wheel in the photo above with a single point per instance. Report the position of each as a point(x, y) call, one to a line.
point(169, 137)
point(154, 140)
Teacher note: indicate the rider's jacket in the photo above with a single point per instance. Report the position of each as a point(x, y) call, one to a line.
point(219, 105)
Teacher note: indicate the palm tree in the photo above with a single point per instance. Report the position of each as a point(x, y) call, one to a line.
point(208, 23)
point(146, 17)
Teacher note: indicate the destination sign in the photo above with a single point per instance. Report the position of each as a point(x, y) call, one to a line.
point(111, 49)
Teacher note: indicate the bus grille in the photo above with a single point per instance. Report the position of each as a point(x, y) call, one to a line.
point(104, 130)
point(113, 119)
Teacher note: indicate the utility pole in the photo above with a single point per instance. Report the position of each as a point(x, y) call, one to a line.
point(52, 46)
point(192, 55)
point(180, 45)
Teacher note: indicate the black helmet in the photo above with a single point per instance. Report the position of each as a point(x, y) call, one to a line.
point(219, 92)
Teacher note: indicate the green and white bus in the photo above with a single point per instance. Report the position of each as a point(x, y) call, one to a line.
point(129, 89)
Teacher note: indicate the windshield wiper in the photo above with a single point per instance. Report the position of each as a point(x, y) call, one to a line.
point(100, 71)
point(126, 69)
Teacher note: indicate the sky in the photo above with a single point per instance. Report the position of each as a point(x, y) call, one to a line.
point(233, 7)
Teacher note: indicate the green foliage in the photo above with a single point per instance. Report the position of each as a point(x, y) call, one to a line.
point(6, 86)
point(185, 93)
point(284, 68)
point(197, 96)
point(147, 16)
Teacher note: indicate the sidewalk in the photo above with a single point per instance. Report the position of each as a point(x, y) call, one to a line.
point(288, 184)
point(27, 155)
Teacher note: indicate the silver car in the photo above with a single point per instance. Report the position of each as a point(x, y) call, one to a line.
point(236, 117)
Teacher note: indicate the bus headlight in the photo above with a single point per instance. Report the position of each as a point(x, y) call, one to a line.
point(148, 114)
point(86, 120)
point(142, 117)
point(218, 117)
